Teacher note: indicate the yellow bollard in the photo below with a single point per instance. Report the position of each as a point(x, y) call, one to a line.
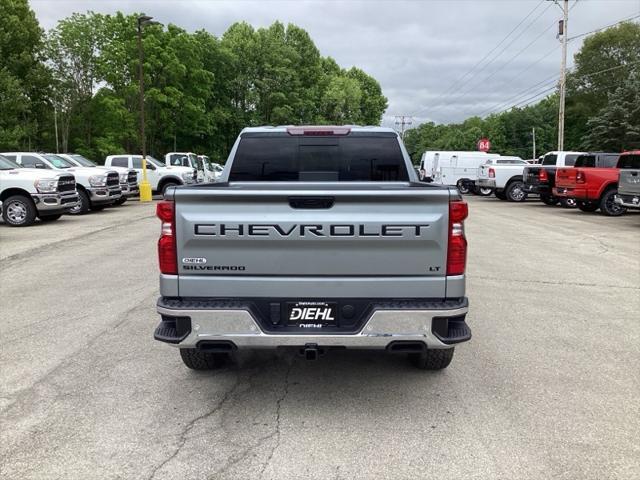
point(145, 186)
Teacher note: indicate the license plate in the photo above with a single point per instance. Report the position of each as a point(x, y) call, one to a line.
point(316, 314)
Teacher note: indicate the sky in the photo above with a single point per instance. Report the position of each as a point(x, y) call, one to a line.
point(436, 60)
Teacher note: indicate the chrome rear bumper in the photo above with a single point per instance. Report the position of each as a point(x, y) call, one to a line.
point(238, 326)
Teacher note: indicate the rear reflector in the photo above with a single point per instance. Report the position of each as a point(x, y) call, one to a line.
point(318, 131)
point(457, 248)
point(542, 175)
point(492, 173)
point(580, 177)
point(167, 257)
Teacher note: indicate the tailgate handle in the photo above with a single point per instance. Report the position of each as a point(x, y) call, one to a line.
point(311, 202)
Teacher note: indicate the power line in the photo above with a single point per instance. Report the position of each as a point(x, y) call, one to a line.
point(604, 28)
point(485, 65)
point(502, 66)
point(553, 78)
point(582, 75)
point(502, 104)
point(454, 84)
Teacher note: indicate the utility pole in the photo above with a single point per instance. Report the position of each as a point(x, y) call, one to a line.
point(145, 186)
point(533, 132)
point(563, 31)
point(403, 120)
point(55, 124)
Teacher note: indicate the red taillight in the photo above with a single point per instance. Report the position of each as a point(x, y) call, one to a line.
point(580, 177)
point(457, 249)
point(492, 173)
point(542, 175)
point(167, 257)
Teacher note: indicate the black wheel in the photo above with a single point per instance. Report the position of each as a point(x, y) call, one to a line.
point(608, 206)
point(500, 194)
point(98, 208)
point(197, 360)
point(121, 200)
point(167, 185)
point(549, 200)
point(49, 218)
point(568, 203)
point(83, 206)
point(18, 211)
point(432, 359)
point(515, 191)
point(463, 187)
point(588, 206)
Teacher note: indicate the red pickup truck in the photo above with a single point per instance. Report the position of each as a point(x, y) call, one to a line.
point(593, 185)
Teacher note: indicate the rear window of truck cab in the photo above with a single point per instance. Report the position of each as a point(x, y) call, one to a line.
point(349, 158)
point(629, 161)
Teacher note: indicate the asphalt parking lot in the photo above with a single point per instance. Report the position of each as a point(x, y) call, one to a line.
point(548, 387)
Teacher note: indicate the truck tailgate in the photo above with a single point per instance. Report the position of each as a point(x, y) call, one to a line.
point(390, 240)
point(566, 177)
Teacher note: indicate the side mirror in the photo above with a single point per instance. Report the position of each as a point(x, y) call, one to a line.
point(150, 166)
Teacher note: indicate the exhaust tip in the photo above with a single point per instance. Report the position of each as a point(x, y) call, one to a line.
point(406, 347)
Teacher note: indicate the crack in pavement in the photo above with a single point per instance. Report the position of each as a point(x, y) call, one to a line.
point(245, 453)
point(183, 436)
point(191, 424)
point(549, 282)
point(278, 410)
point(18, 395)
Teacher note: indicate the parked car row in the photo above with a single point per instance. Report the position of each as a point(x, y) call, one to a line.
point(590, 181)
point(47, 186)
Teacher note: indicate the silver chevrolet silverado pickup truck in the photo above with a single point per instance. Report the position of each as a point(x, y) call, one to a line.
point(315, 238)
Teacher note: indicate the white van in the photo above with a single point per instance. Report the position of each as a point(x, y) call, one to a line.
point(459, 168)
point(429, 162)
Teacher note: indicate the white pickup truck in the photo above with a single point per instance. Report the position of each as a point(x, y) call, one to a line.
point(504, 176)
point(186, 159)
point(128, 177)
point(27, 193)
point(159, 176)
point(96, 190)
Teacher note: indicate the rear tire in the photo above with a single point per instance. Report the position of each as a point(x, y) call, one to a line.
point(549, 200)
point(18, 211)
point(500, 194)
point(197, 360)
point(568, 203)
point(515, 191)
point(166, 186)
point(49, 218)
point(432, 359)
point(588, 206)
point(483, 191)
point(608, 206)
point(463, 187)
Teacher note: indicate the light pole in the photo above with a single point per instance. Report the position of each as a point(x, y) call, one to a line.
point(145, 186)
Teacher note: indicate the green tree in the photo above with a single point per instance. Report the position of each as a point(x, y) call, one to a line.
point(612, 52)
point(617, 125)
point(72, 50)
point(23, 76)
